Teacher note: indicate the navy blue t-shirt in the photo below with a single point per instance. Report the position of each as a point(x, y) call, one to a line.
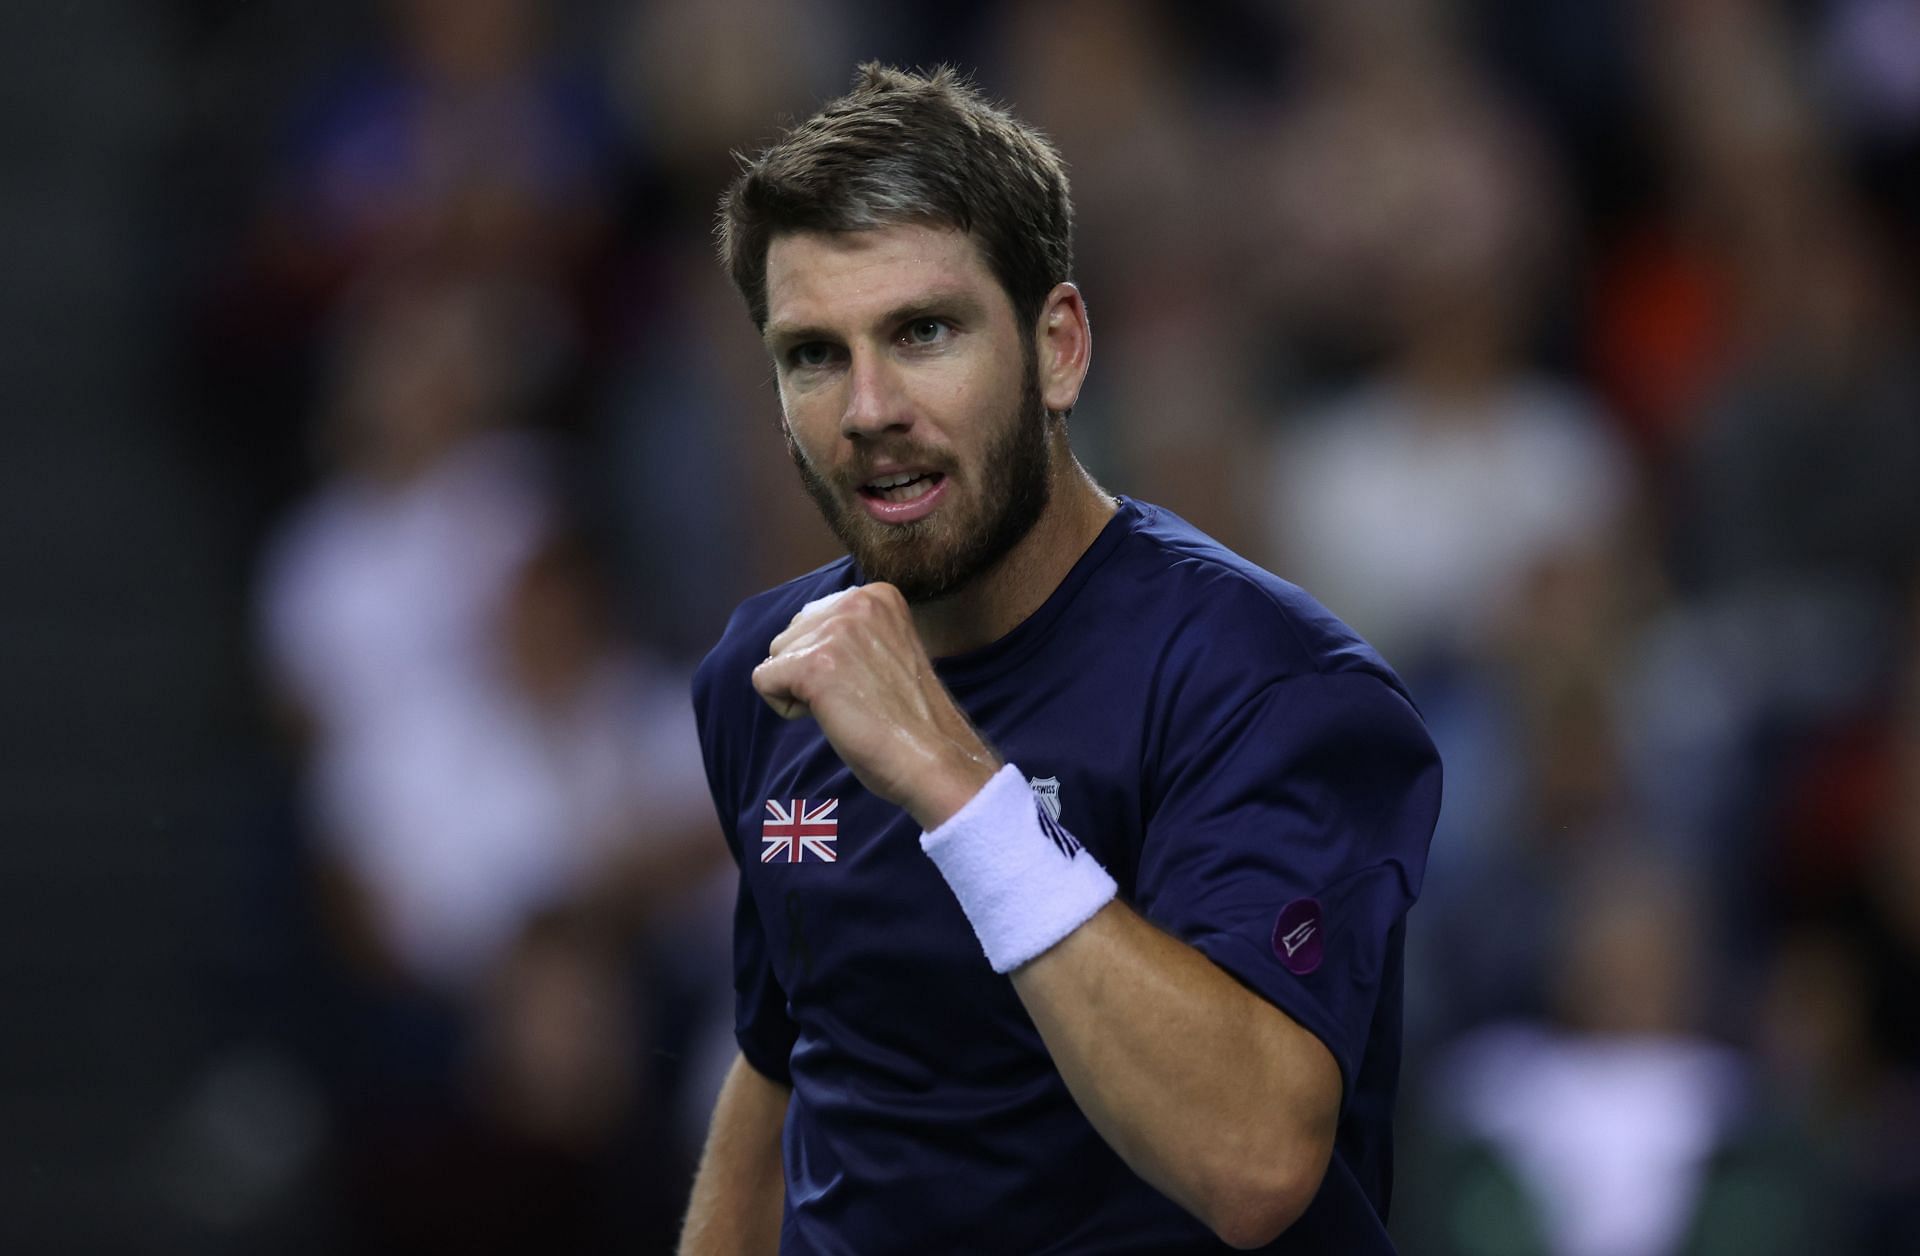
point(1253, 776)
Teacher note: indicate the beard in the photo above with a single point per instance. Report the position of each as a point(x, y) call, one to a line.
point(934, 558)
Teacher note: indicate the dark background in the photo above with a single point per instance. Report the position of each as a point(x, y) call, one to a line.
point(1568, 349)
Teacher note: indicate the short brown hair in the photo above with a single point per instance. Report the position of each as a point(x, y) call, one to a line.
point(899, 148)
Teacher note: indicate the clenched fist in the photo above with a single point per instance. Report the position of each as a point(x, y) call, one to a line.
point(854, 663)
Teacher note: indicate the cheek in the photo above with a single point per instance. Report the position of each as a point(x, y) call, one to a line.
point(809, 419)
point(970, 404)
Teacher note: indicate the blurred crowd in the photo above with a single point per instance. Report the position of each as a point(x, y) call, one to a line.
point(1567, 350)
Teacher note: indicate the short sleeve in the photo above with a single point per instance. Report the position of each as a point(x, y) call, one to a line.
point(1289, 839)
point(761, 1026)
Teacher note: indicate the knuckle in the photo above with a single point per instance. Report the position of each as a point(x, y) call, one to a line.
point(879, 601)
point(810, 670)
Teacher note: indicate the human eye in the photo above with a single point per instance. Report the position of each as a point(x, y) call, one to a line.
point(809, 356)
point(926, 331)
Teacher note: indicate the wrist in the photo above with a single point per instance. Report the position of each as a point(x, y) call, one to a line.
point(1023, 884)
point(953, 780)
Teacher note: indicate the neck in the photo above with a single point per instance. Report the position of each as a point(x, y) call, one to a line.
point(1016, 586)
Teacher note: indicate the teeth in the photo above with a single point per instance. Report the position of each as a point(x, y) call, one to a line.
point(903, 487)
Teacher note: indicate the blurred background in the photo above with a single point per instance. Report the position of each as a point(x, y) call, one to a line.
point(384, 446)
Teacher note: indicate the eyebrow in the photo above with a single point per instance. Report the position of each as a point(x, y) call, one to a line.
point(954, 301)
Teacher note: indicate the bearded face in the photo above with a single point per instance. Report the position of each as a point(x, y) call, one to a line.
point(912, 399)
point(990, 502)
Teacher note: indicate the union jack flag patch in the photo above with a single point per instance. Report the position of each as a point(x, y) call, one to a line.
point(793, 831)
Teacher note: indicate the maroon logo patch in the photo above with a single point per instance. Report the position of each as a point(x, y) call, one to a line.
point(1297, 936)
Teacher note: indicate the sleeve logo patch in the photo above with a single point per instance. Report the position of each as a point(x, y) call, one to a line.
point(1297, 936)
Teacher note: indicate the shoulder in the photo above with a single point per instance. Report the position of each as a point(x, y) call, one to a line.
point(724, 674)
point(1220, 613)
point(1256, 691)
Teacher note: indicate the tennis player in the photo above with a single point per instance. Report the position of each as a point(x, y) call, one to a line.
point(1075, 849)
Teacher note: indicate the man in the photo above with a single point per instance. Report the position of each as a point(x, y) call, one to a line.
point(1179, 807)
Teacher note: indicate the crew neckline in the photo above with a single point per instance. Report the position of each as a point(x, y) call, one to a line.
point(984, 662)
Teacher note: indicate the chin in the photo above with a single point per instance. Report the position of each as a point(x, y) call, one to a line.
point(925, 568)
point(938, 556)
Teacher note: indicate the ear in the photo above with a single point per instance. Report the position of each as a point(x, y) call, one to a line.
point(1063, 339)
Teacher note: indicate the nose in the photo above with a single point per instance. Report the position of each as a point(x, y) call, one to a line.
point(876, 399)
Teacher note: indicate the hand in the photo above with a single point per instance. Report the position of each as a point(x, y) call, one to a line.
point(854, 663)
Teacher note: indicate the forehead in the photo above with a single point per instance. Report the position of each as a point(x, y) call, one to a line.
point(847, 279)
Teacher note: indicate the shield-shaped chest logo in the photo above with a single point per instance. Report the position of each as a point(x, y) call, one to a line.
point(1046, 789)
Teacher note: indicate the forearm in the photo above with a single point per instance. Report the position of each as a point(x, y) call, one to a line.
point(739, 1191)
point(1204, 1089)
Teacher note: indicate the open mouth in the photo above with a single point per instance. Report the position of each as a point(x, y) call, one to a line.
point(905, 487)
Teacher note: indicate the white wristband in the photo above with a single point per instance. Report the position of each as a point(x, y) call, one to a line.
point(1024, 882)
